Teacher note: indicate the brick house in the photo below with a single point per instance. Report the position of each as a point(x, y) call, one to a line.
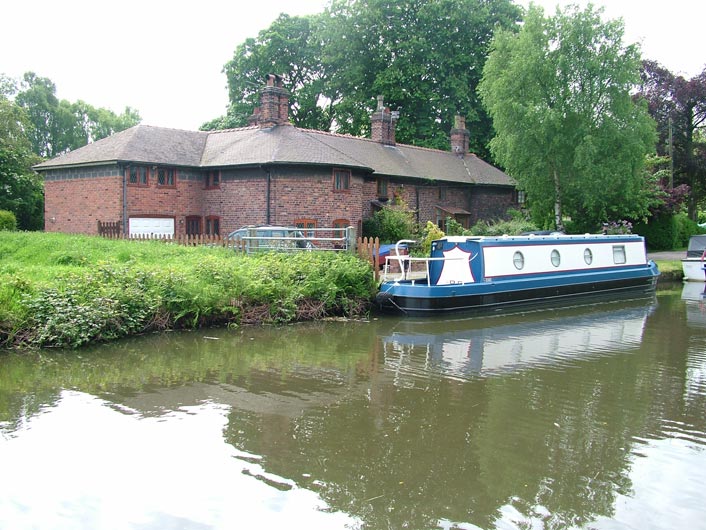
point(159, 180)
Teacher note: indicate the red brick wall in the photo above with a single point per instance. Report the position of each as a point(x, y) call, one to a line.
point(240, 201)
point(76, 199)
point(309, 193)
point(185, 199)
point(491, 203)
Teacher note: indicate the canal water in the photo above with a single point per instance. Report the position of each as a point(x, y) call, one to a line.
point(582, 417)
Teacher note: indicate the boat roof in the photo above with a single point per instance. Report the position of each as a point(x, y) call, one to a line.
point(547, 237)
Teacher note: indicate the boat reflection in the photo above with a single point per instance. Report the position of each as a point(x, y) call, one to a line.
point(694, 296)
point(483, 346)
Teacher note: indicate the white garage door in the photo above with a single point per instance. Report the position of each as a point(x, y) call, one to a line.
point(157, 226)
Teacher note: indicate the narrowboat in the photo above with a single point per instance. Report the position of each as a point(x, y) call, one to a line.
point(470, 273)
point(694, 265)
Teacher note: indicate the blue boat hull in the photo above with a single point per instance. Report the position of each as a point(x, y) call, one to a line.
point(417, 298)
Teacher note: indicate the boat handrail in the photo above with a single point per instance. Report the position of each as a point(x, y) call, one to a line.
point(403, 259)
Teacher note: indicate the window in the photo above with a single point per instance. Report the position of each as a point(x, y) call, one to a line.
point(213, 225)
point(138, 176)
point(442, 194)
point(166, 177)
point(588, 256)
point(521, 197)
point(341, 223)
point(341, 179)
point(619, 255)
point(556, 258)
point(193, 225)
point(382, 188)
point(518, 260)
point(213, 179)
point(304, 224)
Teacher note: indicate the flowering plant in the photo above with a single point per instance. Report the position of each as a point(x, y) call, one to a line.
point(617, 227)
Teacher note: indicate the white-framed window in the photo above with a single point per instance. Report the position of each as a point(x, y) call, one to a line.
point(518, 260)
point(619, 257)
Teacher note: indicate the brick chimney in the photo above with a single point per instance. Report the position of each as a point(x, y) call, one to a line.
point(382, 124)
point(274, 103)
point(459, 136)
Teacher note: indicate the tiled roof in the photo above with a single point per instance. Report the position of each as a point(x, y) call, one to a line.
point(142, 143)
point(280, 145)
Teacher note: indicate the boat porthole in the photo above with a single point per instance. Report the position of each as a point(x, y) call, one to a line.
point(518, 260)
point(556, 258)
point(588, 256)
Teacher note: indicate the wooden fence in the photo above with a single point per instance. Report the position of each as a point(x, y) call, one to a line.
point(367, 248)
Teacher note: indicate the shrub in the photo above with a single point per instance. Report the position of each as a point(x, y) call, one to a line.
point(391, 223)
point(430, 233)
point(453, 227)
point(660, 233)
point(498, 228)
point(685, 229)
point(8, 221)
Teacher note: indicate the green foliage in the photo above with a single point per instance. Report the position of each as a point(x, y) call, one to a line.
point(431, 232)
point(22, 188)
point(510, 227)
point(660, 233)
point(679, 107)
point(559, 93)
point(8, 221)
point(425, 57)
point(453, 227)
point(290, 47)
point(59, 125)
point(685, 229)
point(391, 223)
point(60, 290)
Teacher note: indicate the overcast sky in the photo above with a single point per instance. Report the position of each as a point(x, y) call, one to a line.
point(165, 58)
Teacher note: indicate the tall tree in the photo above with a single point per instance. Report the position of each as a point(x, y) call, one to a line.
point(425, 56)
point(59, 125)
point(21, 189)
point(679, 107)
point(567, 128)
point(289, 47)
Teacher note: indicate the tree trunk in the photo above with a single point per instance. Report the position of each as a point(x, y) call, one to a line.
point(557, 203)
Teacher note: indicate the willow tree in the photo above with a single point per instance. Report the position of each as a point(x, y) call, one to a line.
point(567, 128)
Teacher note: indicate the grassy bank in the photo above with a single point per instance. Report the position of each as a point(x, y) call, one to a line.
point(670, 270)
point(62, 290)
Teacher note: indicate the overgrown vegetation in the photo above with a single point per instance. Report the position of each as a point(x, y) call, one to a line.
point(391, 223)
point(60, 290)
point(8, 221)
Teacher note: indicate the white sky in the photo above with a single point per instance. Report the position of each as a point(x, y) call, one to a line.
point(165, 58)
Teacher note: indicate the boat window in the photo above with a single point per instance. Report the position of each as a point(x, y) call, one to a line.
point(518, 260)
point(556, 258)
point(619, 254)
point(588, 256)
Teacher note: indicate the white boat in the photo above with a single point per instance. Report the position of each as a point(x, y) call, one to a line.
point(472, 273)
point(694, 265)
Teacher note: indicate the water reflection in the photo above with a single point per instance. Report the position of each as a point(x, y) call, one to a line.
point(484, 346)
point(553, 419)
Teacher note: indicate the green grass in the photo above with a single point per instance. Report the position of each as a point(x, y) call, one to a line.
point(670, 270)
point(69, 290)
